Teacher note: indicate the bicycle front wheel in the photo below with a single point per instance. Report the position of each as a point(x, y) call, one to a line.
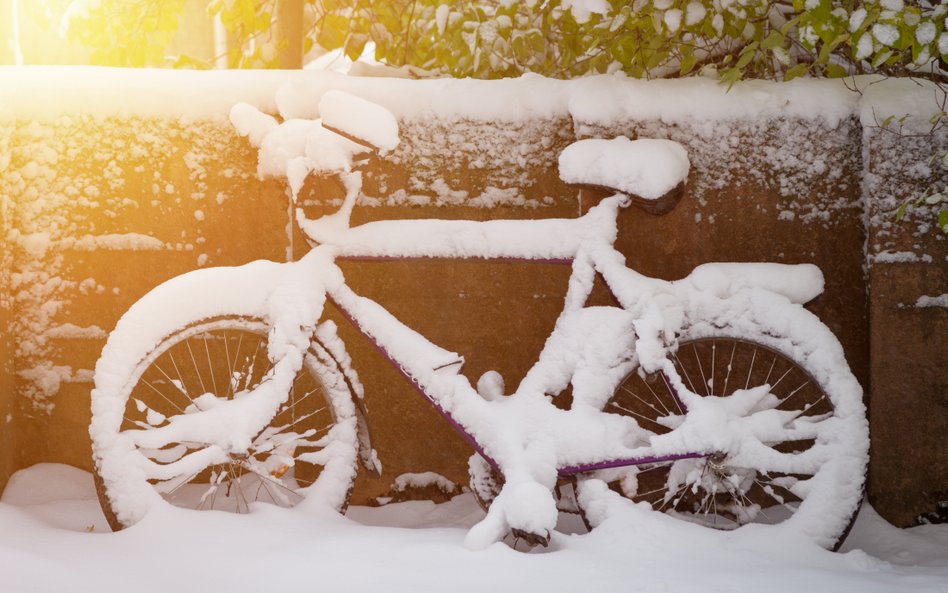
point(806, 469)
point(308, 445)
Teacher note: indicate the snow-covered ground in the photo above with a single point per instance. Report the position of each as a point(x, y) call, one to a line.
point(54, 538)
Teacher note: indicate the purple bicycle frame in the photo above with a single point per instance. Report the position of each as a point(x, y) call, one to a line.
point(562, 472)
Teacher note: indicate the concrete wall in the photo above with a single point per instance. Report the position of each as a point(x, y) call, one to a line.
point(107, 209)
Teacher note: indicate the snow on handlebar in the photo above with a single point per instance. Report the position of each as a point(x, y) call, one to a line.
point(360, 120)
point(293, 149)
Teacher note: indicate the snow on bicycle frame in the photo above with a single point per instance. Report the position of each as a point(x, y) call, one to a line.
point(647, 170)
point(593, 349)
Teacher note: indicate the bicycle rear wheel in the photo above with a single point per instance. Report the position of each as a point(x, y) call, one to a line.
point(806, 469)
point(309, 443)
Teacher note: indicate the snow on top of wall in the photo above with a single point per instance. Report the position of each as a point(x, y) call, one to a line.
point(43, 92)
point(604, 99)
point(509, 99)
point(908, 105)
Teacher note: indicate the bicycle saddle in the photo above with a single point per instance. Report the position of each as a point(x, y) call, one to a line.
point(651, 172)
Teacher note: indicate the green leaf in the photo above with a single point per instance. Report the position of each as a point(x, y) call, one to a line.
point(828, 48)
point(262, 22)
point(943, 220)
point(789, 25)
point(656, 59)
point(747, 54)
point(355, 45)
point(900, 213)
point(332, 31)
point(730, 77)
point(773, 41)
point(796, 71)
point(881, 57)
point(836, 71)
point(688, 62)
point(187, 62)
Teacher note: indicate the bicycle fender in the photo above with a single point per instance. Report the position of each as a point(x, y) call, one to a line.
point(327, 337)
point(800, 283)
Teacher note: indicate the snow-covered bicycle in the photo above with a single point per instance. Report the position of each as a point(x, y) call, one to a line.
point(716, 398)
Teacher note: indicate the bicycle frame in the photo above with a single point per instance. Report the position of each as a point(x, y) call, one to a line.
point(585, 242)
point(603, 353)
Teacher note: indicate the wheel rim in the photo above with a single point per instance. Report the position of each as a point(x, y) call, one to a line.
point(485, 481)
point(211, 362)
point(712, 490)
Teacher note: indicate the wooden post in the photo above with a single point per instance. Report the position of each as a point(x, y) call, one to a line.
point(290, 28)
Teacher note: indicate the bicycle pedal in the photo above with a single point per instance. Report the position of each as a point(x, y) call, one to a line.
point(532, 539)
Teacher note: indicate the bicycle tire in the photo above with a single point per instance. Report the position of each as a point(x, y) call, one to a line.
point(750, 340)
point(282, 464)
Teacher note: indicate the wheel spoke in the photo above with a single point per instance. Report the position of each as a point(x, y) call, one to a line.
point(177, 483)
point(210, 367)
point(794, 392)
point(179, 385)
point(230, 369)
point(196, 369)
point(650, 492)
point(674, 394)
point(238, 492)
point(787, 372)
point(293, 405)
point(771, 370)
point(713, 354)
point(267, 478)
point(809, 406)
point(730, 366)
point(704, 381)
point(284, 427)
point(636, 414)
point(655, 395)
point(668, 498)
point(750, 368)
point(633, 394)
point(253, 365)
point(234, 381)
point(682, 368)
point(162, 395)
